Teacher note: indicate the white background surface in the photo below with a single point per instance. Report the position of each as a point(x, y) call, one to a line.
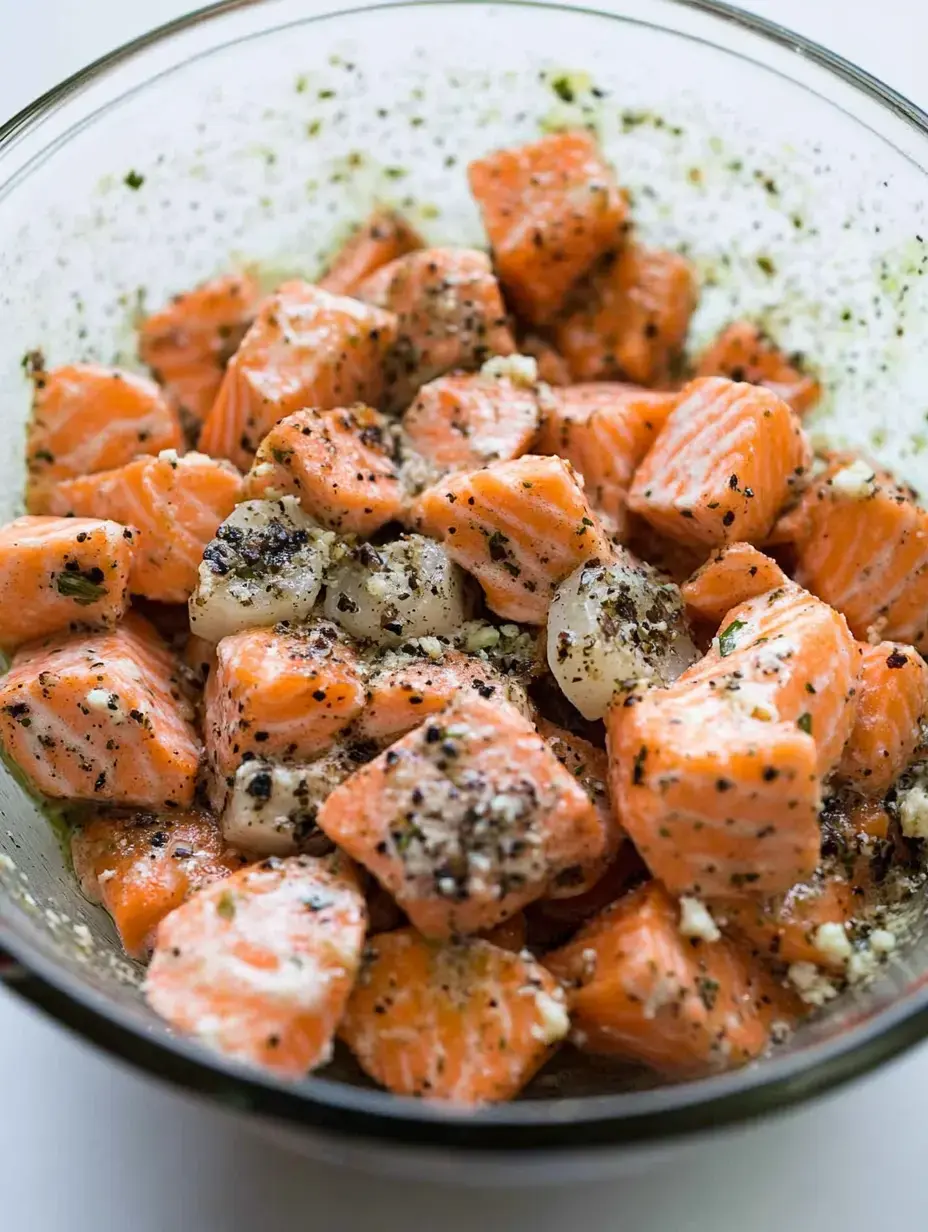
point(85, 1144)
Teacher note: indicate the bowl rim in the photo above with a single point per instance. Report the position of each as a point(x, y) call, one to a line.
point(358, 1113)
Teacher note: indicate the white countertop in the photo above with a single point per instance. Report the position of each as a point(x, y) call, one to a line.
point(86, 1144)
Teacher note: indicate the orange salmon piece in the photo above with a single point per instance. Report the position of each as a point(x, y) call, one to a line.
point(466, 420)
point(604, 430)
point(259, 966)
point(731, 576)
point(892, 699)
point(718, 803)
point(385, 236)
point(176, 504)
point(305, 348)
point(400, 698)
point(450, 312)
point(550, 208)
point(552, 367)
point(723, 466)
point(466, 819)
point(62, 573)
point(589, 767)
point(519, 527)
point(861, 544)
point(632, 319)
point(279, 693)
point(467, 1021)
point(784, 928)
point(788, 656)
point(742, 352)
point(338, 464)
point(104, 717)
point(86, 418)
point(140, 866)
point(638, 988)
point(189, 342)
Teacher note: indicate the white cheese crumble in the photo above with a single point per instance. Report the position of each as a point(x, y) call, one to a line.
point(856, 482)
point(813, 987)
point(555, 1021)
point(520, 369)
point(882, 941)
point(168, 455)
point(913, 811)
point(832, 942)
point(696, 920)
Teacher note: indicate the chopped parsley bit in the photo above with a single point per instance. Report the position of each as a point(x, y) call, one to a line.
point(766, 266)
point(563, 89)
point(810, 687)
point(83, 588)
point(727, 642)
point(134, 180)
point(638, 769)
point(804, 723)
point(225, 906)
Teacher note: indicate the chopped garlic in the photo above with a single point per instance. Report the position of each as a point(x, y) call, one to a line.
point(832, 943)
point(813, 987)
point(555, 1021)
point(696, 920)
point(520, 369)
point(882, 941)
point(913, 812)
point(856, 481)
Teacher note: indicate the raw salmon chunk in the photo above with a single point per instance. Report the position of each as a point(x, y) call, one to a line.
point(176, 505)
point(631, 320)
point(381, 239)
point(550, 208)
point(140, 866)
point(742, 352)
point(861, 543)
point(718, 802)
point(259, 966)
point(466, 819)
point(305, 348)
point(400, 697)
point(60, 573)
point(732, 575)
point(604, 430)
point(724, 465)
point(338, 463)
point(519, 527)
point(450, 311)
point(85, 419)
point(466, 420)
point(638, 988)
point(103, 717)
point(589, 767)
point(189, 342)
point(892, 700)
point(280, 693)
point(464, 1021)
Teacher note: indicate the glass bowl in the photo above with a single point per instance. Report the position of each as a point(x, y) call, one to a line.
point(257, 132)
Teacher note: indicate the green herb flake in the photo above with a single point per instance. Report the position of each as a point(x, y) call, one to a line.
point(708, 991)
point(563, 89)
point(225, 906)
point(728, 638)
point(134, 180)
point(804, 723)
point(80, 587)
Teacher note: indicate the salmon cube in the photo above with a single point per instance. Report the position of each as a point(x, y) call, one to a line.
point(550, 208)
point(140, 866)
point(86, 418)
point(631, 321)
point(305, 348)
point(280, 693)
point(176, 505)
point(731, 576)
point(468, 1022)
point(385, 236)
point(259, 966)
point(638, 988)
point(62, 573)
point(604, 430)
point(724, 465)
point(103, 717)
point(338, 463)
point(742, 352)
point(466, 819)
point(467, 420)
point(451, 315)
point(520, 549)
point(861, 544)
point(892, 701)
point(188, 343)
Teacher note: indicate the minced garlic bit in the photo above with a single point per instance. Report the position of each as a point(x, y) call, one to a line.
point(882, 941)
point(520, 369)
point(696, 920)
point(555, 1021)
point(856, 482)
point(813, 986)
point(913, 811)
point(832, 942)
